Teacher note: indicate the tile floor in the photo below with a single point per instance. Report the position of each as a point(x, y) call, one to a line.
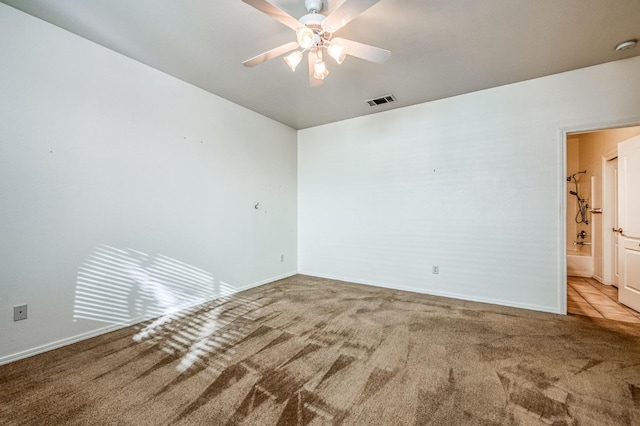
point(586, 296)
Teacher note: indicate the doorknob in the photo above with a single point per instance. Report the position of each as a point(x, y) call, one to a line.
point(617, 231)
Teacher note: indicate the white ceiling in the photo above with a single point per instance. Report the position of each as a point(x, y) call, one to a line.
point(440, 48)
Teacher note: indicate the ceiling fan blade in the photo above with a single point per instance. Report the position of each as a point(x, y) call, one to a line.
point(344, 13)
point(364, 51)
point(313, 82)
point(275, 12)
point(273, 53)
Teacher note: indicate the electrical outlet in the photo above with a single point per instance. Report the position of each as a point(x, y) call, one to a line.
point(20, 312)
point(282, 258)
point(435, 269)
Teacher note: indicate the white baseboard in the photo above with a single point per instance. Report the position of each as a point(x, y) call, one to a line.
point(552, 310)
point(70, 340)
point(113, 327)
point(267, 281)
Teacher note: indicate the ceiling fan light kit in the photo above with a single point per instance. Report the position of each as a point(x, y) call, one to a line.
point(337, 52)
point(314, 34)
point(306, 37)
point(320, 70)
point(293, 59)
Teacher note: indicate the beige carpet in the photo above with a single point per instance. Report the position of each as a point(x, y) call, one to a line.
point(312, 351)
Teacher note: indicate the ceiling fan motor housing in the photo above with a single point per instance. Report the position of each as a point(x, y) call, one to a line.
point(313, 5)
point(313, 20)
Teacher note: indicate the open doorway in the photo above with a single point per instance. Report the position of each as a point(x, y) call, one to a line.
point(592, 224)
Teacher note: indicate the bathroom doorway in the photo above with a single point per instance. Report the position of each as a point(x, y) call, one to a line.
point(592, 223)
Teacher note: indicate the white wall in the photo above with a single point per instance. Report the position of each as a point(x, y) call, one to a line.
point(474, 184)
point(107, 164)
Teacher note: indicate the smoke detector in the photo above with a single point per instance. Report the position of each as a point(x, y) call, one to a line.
point(629, 44)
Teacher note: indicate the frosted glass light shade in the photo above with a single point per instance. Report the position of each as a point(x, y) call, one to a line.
point(293, 59)
point(338, 52)
point(320, 70)
point(305, 37)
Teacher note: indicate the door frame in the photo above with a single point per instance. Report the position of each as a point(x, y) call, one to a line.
point(607, 219)
point(562, 133)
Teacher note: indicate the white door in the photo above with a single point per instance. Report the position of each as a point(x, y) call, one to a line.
point(614, 221)
point(629, 222)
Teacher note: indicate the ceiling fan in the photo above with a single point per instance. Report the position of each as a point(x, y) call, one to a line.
point(314, 35)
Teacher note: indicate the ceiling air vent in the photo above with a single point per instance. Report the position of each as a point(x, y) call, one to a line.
point(382, 100)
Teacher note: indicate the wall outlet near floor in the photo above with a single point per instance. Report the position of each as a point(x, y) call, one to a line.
point(20, 312)
point(435, 269)
point(282, 258)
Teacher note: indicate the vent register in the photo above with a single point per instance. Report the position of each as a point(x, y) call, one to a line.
point(381, 100)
